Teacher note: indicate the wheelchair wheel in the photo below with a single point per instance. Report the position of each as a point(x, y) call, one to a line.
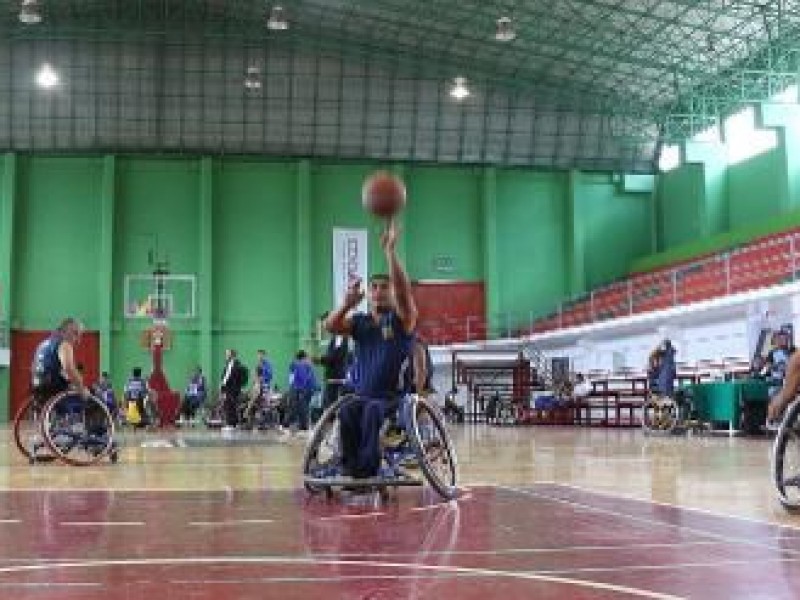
point(660, 416)
point(79, 431)
point(786, 459)
point(28, 433)
point(434, 448)
point(323, 450)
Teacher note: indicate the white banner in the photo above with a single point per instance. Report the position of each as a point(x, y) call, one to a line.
point(349, 262)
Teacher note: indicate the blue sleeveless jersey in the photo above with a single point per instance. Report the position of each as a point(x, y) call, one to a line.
point(135, 388)
point(381, 348)
point(46, 368)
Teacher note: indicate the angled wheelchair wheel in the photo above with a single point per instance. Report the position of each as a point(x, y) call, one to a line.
point(323, 452)
point(786, 459)
point(79, 431)
point(660, 416)
point(28, 433)
point(437, 457)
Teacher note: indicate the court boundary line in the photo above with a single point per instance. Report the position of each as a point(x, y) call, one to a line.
point(245, 560)
point(704, 511)
point(607, 511)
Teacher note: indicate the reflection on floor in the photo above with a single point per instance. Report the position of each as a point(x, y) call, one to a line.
point(545, 514)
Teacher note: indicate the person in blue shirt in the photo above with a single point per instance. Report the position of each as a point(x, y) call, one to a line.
point(303, 384)
point(264, 372)
point(260, 391)
point(54, 369)
point(104, 390)
point(195, 395)
point(136, 390)
point(384, 341)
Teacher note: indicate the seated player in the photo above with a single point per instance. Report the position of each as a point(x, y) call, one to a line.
point(136, 391)
point(104, 390)
point(789, 391)
point(54, 369)
point(260, 393)
point(195, 395)
point(384, 339)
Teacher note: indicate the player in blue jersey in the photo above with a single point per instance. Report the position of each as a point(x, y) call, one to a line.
point(384, 340)
point(54, 369)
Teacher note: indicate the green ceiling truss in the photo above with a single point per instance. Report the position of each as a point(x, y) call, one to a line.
point(615, 78)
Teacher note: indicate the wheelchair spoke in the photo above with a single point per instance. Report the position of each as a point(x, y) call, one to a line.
point(28, 433)
point(78, 430)
point(787, 465)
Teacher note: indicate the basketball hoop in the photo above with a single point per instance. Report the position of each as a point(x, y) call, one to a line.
point(156, 336)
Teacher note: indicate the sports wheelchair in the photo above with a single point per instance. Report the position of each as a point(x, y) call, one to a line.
point(73, 429)
point(421, 443)
point(786, 458)
point(666, 415)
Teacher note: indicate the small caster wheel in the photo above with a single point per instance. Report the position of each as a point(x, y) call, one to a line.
point(114, 457)
point(328, 492)
point(32, 461)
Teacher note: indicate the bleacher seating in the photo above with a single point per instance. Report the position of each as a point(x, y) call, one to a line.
point(765, 262)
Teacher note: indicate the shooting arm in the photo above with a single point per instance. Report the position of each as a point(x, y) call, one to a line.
point(406, 307)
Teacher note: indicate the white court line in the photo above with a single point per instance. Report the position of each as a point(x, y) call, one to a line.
point(704, 511)
point(355, 516)
point(653, 522)
point(256, 560)
point(102, 523)
point(49, 585)
point(231, 522)
point(668, 567)
point(9, 521)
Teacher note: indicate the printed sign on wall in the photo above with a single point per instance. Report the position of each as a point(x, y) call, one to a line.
point(349, 261)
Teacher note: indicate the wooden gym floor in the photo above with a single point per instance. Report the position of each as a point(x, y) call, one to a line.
point(547, 513)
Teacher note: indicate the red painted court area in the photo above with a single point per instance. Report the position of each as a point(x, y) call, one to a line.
point(548, 541)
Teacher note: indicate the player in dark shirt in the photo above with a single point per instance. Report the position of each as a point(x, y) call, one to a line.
point(384, 340)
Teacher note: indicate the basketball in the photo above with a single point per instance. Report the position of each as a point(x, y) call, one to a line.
point(383, 194)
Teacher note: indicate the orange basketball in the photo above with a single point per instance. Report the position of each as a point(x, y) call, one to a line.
point(383, 194)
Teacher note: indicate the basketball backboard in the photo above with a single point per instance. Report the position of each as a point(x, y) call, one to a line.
point(160, 296)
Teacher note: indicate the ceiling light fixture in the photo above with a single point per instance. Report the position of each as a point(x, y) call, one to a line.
point(47, 77)
point(505, 30)
point(252, 80)
point(30, 13)
point(459, 91)
point(277, 19)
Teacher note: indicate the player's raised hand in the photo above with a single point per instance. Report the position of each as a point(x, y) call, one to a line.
point(354, 294)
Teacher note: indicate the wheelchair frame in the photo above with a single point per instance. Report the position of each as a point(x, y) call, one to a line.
point(38, 418)
point(789, 429)
point(394, 457)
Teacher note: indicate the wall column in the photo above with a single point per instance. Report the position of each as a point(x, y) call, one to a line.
point(7, 198)
point(491, 273)
point(576, 244)
point(105, 280)
point(205, 280)
point(304, 317)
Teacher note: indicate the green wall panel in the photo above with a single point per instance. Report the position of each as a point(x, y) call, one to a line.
point(56, 253)
point(616, 228)
point(255, 296)
point(531, 226)
point(758, 188)
point(443, 220)
point(682, 197)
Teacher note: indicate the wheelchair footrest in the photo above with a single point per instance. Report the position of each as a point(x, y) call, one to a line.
point(338, 482)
